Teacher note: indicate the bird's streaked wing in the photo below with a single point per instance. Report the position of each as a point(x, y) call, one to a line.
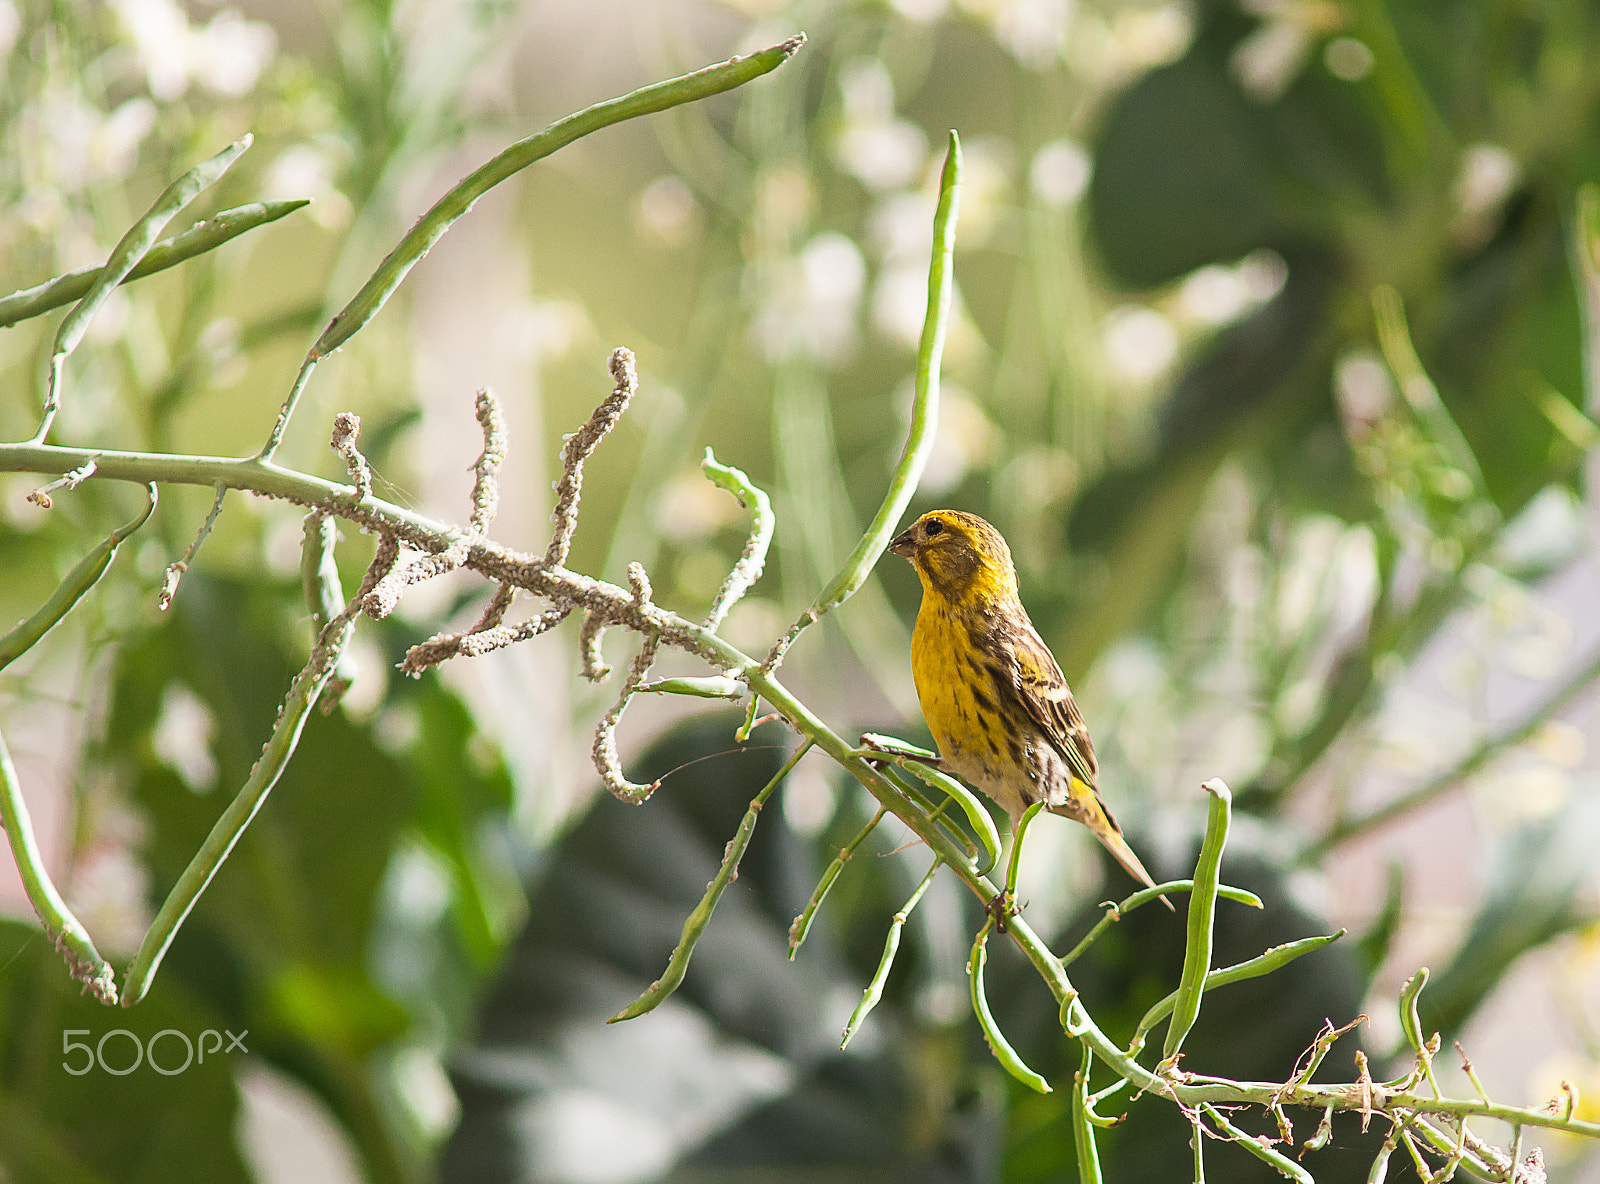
point(1043, 689)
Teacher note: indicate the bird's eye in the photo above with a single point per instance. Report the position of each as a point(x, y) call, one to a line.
point(933, 528)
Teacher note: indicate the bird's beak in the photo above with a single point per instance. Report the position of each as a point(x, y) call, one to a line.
point(901, 544)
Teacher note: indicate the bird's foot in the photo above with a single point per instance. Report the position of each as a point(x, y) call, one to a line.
point(1001, 906)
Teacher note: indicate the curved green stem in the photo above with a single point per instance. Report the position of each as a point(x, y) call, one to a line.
point(891, 946)
point(1410, 1021)
point(68, 933)
point(1265, 963)
point(197, 240)
point(924, 412)
point(125, 256)
point(444, 213)
point(465, 194)
point(678, 964)
point(1083, 1138)
point(297, 704)
point(801, 925)
point(1202, 916)
point(1379, 1171)
point(1115, 912)
point(998, 1044)
point(710, 686)
point(762, 523)
point(84, 575)
point(319, 578)
point(428, 229)
point(1274, 1158)
point(1014, 865)
point(914, 760)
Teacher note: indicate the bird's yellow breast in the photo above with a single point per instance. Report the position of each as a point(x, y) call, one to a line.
point(960, 704)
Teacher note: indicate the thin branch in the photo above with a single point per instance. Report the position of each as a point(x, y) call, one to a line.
point(1083, 1124)
point(924, 413)
point(495, 611)
point(610, 604)
point(591, 661)
point(84, 575)
point(1115, 912)
point(41, 496)
point(578, 448)
point(801, 925)
point(280, 425)
point(607, 761)
point(1274, 1158)
point(384, 598)
point(486, 489)
point(197, 240)
point(695, 925)
point(480, 639)
point(319, 577)
point(296, 708)
point(486, 641)
point(125, 256)
point(169, 583)
point(1531, 1170)
point(68, 933)
point(346, 427)
point(606, 758)
point(891, 946)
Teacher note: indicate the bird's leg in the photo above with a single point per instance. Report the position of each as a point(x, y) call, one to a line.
point(1004, 903)
point(1001, 905)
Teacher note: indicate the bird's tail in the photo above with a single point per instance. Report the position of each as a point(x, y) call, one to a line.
point(1110, 835)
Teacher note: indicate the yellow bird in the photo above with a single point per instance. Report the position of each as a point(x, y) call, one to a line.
point(993, 696)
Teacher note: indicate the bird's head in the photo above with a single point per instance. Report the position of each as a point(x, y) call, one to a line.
point(958, 556)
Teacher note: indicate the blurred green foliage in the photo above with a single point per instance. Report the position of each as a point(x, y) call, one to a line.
point(1250, 498)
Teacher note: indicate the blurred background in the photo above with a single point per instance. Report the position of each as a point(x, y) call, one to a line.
point(1273, 358)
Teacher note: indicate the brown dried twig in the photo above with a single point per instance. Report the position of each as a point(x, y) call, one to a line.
point(577, 450)
point(479, 640)
point(486, 490)
point(383, 599)
point(41, 496)
point(593, 661)
point(606, 758)
point(346, 427)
